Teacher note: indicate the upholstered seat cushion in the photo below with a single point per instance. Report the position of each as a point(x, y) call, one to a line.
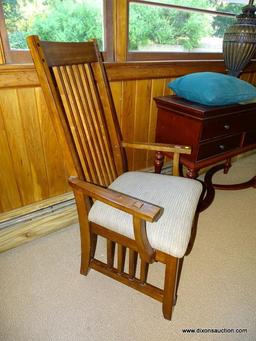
point(178, 196)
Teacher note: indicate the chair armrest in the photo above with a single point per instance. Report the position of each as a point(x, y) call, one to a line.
point(138, 208)
point(160, 147)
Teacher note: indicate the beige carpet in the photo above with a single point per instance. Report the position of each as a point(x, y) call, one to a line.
point(43, 297)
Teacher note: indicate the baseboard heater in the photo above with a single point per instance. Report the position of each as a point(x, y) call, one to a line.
point(28, 217)
point(36, 220)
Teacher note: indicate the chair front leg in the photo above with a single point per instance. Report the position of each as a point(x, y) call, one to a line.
point(170, 283)
point(88, 242)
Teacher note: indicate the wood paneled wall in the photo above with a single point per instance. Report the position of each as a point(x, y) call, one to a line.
point(32, 161)
point(137, 114)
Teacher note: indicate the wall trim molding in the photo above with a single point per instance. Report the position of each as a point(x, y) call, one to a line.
point(24, 75)
point(44, 218)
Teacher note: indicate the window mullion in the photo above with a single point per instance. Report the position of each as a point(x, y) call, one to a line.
point(108, 30)
point(5, 46)
point(121, 30)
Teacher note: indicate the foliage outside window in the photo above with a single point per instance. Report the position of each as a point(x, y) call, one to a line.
point(171, 28)
point(57, 20)
point(180, 25)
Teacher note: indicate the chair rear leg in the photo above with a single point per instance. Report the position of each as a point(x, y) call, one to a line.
point(171, 273)
point(94, 239)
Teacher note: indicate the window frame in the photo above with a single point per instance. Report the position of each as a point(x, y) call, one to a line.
point(116, 35)
point(153, 56)
point(16, 56)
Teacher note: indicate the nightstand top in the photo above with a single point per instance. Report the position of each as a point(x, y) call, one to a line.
point(183, 106)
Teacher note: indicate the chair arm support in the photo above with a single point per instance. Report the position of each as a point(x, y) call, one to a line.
point(160, 147)
point(147, 253)
point(138, 208)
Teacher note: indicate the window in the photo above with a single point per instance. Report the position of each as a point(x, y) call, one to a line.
point(160, 29)
point(190, 28)
point(58, 20)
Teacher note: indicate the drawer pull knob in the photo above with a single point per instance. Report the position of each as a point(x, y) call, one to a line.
point(227, 126)
point(221, 146)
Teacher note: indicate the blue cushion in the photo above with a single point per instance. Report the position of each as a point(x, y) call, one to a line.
point(211, 88)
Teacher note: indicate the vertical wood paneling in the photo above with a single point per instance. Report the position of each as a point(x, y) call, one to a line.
point(117, 92)
point(17, 145)
point(137, 114)
point(141, 122)
point(253, 78)
point(9, 193)
point(158, 88)
point(33, 142)
point(167, 91)
point(127, 117)
point(54, 154)
point(249, 77)
point(32, 161)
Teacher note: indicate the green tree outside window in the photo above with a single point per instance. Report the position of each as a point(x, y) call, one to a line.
point(56, 20)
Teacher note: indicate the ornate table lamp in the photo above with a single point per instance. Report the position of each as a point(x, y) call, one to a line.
point(239, 43)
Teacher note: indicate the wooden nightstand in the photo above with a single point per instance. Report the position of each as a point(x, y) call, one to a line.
point(214, 133)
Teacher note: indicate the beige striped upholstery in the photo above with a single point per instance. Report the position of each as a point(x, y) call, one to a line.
point(179, 198)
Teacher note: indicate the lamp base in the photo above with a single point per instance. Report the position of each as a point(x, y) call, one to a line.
point(239, 43)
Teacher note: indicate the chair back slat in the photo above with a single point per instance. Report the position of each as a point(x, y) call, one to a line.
point(91, 123)
point(82, 98)
point(74, 121)
point(87, 123)
point(112, 122)
point(100, 123)
point(83, 123)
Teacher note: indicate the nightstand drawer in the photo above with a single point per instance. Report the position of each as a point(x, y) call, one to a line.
point(250, 138)
point(227, 125)
point(219, 146)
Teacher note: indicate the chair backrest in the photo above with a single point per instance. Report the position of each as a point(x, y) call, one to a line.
point(75, 85)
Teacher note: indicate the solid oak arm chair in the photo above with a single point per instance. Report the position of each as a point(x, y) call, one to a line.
point(150, 214)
